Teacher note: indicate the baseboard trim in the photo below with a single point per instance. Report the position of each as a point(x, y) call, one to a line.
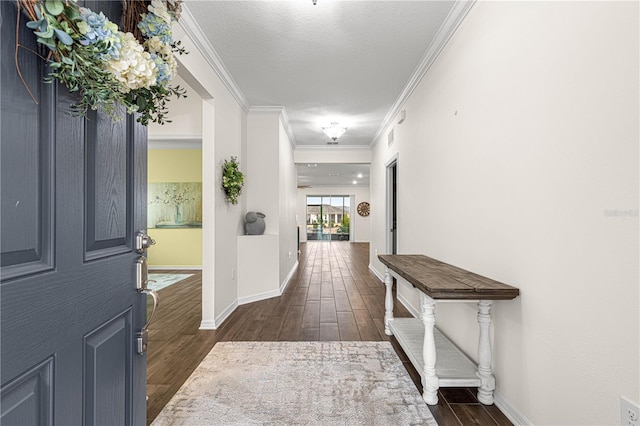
point(258, 297)
point(180, 267)
point(217, 322)
point(512, 413)
point(285, 283)
point(208, 325)
point(376, 273)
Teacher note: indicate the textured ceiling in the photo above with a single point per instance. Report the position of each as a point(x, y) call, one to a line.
point(344, 61)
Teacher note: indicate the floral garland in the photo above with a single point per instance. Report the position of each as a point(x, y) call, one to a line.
point(232, 180)
point(106, 66)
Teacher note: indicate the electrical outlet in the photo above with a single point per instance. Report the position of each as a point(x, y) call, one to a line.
point(629, 412)
point(289, 255)
point(233, 274)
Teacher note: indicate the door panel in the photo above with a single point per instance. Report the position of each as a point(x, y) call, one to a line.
point(73, 195)
point(27, 208)
point(106, 351)
point(107, 210)
point(28, 399)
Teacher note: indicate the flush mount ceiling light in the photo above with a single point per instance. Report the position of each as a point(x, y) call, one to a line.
point(334, 131)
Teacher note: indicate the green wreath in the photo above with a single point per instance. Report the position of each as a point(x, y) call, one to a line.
point(232, 180)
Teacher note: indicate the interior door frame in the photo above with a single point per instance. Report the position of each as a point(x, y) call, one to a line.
point(352, 221)
point(389, 177)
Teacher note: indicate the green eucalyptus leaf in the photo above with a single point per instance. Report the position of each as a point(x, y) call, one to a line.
point(71, 11)
point(48, 33)
point(35, 25)
point(47, 42)
point(54, 7)
point(63, 37)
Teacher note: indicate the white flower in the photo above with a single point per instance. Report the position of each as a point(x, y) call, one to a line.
point(159, 9)
point(134, 69)
point(173, 64)
point(155, 46)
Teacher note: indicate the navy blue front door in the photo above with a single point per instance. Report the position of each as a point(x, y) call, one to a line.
point(73, 193)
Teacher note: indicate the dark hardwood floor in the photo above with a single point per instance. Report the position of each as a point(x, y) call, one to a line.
point(331, 296)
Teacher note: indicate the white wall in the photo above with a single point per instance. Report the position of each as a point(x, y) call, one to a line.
point(271, 183)
point(229, 136)
point(223, 135)
point(287, 204)
point(360, 224)
point(262, 181)
point(185, 115)
point(518, 160)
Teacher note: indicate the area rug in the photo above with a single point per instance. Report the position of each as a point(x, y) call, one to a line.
point(298, 383)
point(165, 280)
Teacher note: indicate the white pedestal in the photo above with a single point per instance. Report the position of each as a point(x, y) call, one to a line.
point(258, 267)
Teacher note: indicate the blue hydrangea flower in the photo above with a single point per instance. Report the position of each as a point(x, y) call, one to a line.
point(154, 26)
point(163, 70)
point(96, 28)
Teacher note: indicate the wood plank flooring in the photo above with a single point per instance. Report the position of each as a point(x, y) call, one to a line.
point(331, 296)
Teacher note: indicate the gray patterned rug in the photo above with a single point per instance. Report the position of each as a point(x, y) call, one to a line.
point(159, 281)
point(298, 383)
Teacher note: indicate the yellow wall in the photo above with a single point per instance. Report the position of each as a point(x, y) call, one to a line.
point(175, 247)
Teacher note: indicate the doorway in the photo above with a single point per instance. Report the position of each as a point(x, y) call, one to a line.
point(328, 217)
point(392, 206)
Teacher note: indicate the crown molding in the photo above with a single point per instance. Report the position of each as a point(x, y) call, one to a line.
point(174, 142)
point(189, 25)
point(455, 17)
point(281, 112)
point(266, 110)
point(284, 117)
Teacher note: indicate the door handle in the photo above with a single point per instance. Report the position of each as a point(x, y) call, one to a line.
point(141, 274)
point(142, 337)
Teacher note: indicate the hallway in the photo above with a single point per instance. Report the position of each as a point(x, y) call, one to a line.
point(332, 296)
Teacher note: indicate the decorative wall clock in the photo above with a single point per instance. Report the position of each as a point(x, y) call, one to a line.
point(363, 209)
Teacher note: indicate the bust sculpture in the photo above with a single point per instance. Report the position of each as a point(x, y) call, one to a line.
point(254, 223)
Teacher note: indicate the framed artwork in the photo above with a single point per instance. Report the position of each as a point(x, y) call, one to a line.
point(174, 205)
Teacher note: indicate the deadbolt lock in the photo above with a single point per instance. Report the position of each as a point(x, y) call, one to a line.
point(143, 241)
point(142, 339)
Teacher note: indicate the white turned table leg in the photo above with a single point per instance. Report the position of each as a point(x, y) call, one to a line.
point(487, 380)
point(430, 381)
point(388, 302)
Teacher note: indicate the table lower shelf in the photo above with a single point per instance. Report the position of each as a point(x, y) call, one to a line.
point(454, 369)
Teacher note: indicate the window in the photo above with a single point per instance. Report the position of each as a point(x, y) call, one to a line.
point(328, 217)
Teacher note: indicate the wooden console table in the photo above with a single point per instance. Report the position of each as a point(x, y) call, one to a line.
point(441, 282)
